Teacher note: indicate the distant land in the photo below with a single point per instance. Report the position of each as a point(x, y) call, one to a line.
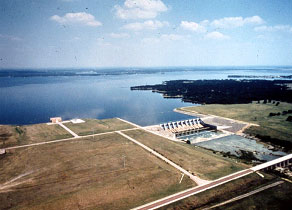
point(262, 76)
point(223, 91)
point(78, 72)
point(26, 72)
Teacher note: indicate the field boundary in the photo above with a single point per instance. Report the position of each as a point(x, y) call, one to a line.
point(64, 140)
point(68, 130)
point(196, 179)
point(246, 194)
point(192, 191)
point(187, 112)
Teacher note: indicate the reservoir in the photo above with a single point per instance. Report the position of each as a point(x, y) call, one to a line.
point(34, 99)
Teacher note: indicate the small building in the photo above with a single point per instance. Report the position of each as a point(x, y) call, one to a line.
point(56, 119)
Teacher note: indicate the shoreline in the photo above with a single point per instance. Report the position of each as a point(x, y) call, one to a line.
point(226, 91)
point(205, 116)
point(241, 132)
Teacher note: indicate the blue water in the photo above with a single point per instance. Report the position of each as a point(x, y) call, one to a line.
point(28, 100)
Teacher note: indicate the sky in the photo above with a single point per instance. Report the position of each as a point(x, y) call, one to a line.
point(144, 33)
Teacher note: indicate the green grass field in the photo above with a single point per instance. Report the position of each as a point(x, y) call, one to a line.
point(28, 134)
point(93, 126)
point(233, 189)
point(201, 162)
point(276, 126)
point(278, 197)
point(106, 171)
point(85, 174)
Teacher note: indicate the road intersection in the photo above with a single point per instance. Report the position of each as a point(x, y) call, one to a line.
point(203, 185)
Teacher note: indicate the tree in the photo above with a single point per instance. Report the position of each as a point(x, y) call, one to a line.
point(4, 135)
point(289, 119)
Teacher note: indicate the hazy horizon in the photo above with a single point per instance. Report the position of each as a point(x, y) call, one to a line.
point(144, 33)
point(219, 67)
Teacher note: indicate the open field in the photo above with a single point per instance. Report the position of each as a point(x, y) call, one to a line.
point(273, 126)
point(198, 161)
point(28, 134)
point(278, 197)
point(224, 192)
point(86, 174)
point(93, 126)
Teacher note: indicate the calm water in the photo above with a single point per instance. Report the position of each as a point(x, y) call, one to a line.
point(27, 100)
point(234, 144)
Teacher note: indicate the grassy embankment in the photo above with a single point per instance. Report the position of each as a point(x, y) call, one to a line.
point(28, 134)
point(94, 126)
point(201, 162)
point(85, 174)
point(90, 173)
point(273, 198)
point(274, 129)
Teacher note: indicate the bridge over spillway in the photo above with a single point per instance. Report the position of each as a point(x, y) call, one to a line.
point(279, 162)
point(282, 161)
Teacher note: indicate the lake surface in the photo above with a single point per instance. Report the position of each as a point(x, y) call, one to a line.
point(34, 99)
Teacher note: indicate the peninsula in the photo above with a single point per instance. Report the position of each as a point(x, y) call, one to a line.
point(223, 91)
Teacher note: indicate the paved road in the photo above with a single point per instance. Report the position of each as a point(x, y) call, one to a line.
point(272, 162)
point(146, 128)
point(194, 178)
point(193, 191)
point(224, 123)
point(203, 184)
point(67, 129)
point(247, 194)
point(63, 140)
point(133, 124)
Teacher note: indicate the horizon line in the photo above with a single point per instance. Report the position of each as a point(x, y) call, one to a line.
point(133, 67)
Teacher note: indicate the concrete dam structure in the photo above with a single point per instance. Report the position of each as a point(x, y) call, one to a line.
point(186, 127)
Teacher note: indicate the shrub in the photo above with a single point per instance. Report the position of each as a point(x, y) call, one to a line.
point(289, 119)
